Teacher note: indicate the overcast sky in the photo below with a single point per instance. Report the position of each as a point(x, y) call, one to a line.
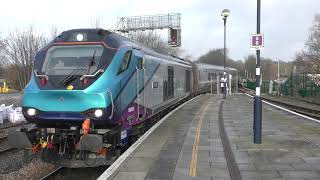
point(285, 23)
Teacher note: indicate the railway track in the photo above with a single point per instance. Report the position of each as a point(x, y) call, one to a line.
point(52, 173)
point(308, 111)
point(4, 131)
point(74, 173)
point(11, 125)
point(11, 98)
point(4, 147)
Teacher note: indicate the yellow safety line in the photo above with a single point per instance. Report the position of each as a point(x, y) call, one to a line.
point(194, 160)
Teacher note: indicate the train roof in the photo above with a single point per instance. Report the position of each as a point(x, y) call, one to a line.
point(149, 51)
point(215, 67)
point(115, 41)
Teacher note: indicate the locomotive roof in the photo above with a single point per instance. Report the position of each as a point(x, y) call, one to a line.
point(114, 40)
point(136, 45)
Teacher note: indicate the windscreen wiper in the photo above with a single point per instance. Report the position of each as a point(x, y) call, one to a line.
point(91, 63)
point(72, 76)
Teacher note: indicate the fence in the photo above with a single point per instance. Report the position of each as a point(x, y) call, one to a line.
point(252, 85)
point(296, 85)
point(300, 85)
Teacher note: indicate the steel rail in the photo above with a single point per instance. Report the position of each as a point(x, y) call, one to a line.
point(50, 174)
point(299, 109)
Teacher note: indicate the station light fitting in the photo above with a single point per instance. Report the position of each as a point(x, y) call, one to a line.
point(225, 13)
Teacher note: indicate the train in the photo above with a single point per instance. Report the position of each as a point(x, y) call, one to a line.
point(93, 92)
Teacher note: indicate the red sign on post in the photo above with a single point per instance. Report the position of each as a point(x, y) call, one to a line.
point(175, 37)
point(256, 41)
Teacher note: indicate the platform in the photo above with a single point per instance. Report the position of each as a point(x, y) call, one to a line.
point(209, 138)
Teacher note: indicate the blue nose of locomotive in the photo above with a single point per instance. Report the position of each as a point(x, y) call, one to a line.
point(48, 107)
point(78, 59)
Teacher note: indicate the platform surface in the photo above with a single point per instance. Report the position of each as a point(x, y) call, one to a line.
point(189, 144)
point(290, 146)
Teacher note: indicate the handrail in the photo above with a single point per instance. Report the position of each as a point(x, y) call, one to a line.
point(40, 75)
point(91, 75)
point(110, 93)
point(144, 93)
point(137, 91)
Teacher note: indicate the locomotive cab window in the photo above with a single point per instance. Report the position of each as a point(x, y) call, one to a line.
point(125, 62)
point(78, 60)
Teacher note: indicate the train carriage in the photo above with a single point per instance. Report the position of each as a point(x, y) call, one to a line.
point(208, 76)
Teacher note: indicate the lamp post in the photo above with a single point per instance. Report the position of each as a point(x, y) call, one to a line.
point(225, 13)
point(257, 124)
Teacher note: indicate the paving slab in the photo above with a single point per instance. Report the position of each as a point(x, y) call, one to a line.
point(290, 144)
point(210, 162)
point(188, 145)
point(157, 156)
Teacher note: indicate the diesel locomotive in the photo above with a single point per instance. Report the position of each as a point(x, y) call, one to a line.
point(93, 92)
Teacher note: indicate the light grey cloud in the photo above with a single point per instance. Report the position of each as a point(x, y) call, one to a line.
point(285, 23)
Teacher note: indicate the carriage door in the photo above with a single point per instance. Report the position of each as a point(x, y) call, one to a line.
point(170, 82)
point(140, 87)
point(168, 85)
point(187, 81)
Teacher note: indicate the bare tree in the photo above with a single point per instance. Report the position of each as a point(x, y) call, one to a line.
point(2, 49)
point(95, 23)
point(188, 57)
point(21, 47)
point(153, 40)
point(213, 56)
point(250, 65)
point(2, 59)
point(268, 68)
point(54, 32)
point(313, 46)
point(310, 57)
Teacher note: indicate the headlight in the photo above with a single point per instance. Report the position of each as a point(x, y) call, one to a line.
point(98, 113)
point(31, 112)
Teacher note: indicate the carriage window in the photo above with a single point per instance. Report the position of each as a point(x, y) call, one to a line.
point(125, 62)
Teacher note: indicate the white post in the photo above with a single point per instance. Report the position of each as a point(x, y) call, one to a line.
point(270, 87)
point(237, 81)
point(211, 84)
point(218, 83)
point(278, 70)
point(230, 82)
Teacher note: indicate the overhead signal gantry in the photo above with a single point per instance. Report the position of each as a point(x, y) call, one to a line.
point(172, 22)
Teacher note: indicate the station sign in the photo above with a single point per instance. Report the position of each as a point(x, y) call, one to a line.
point(257, 41)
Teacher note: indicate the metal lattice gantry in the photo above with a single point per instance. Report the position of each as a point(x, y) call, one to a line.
point(171, 21)
point(149, 22)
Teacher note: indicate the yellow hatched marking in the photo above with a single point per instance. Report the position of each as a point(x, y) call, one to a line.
point(194, 160)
